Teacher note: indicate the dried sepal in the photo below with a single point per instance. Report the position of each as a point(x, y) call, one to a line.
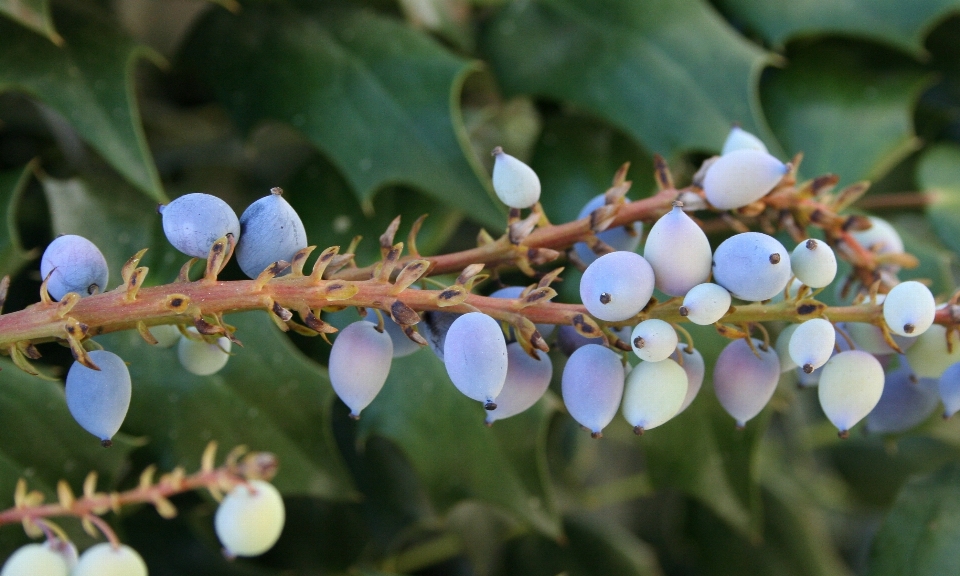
point(587, 327)
point(538, 296)
point(403, 314)
point(220, 251)
point(280, 322)
point(65, 495)
point(386, 239)
point(389, 263)
point(730, 332)
point(45, 299)
point(90, 484)
point(662, 174)
point(66, 304)
point(184, 275)
point(484, 238)
point(548, 278)
point(31, 528)
point(4, 289)
point(412, 236)
point(29, 350)
point(146, 334)
point(620, 176)
point(602, 217)
point(452, 296)
point(165, 508)
point(519, 230)
point(75, 331)
point(529, 337)
point(20, 493)
point(412, 334)
point(339, 261)
point(315, 323)
point(206, 328)
point(134, 282)
point(299, 259)
point(300, 329)
point(410, 273)
point(335, 290)
point(541, 256)
point(888, 338)
point(20, 361)
point(320, 266)
point(146, 477)
point(89, 527)
point(280, 312)
point(269, 273)
point(130, 265)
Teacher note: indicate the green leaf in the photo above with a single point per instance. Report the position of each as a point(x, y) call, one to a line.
point(13, 257)
point(849, 109)
point(670, 73)
point(900, 24)
point(269, 397)
point(34, 14)
point(938, 174)
point(89, 83)
point(43, 444)
point(377, 98)
point(441, 431)
point(921, 534)
point(590, 548)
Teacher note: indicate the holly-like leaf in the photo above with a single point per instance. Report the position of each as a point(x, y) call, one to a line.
point(34, 14)
point(921, 534)
point(269, 397)
point(442, 434)
point(900, 24)
point(670, 73)
point(89, 83)
point(590, 548)
point(12, 254)
point(377, 98)
point(848, 109)
point(938, 174)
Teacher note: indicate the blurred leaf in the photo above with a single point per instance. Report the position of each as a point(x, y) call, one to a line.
point(442, 433)
point(449, 19)
point(332, 216)
point(669, 73)
point(900, 24)
point(43, 444)
point(935, 260)
point(938, 174)
point(120, 221)
point(90, 83)
point(590, 548)
point(12, 255)
point(269, 397)
point(34, 14)
point(702, 454)
point(849, 109)
point(876, 468)
point(921, 534)
point(376, 97)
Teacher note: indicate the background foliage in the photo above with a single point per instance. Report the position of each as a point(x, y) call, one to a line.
point(362, 110)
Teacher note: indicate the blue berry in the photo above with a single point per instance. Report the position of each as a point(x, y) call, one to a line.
point(74, 264)
point(193, 222)
point(270, 230)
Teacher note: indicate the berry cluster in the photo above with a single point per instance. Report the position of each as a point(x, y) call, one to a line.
point(248, 520)
point(496, 355)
